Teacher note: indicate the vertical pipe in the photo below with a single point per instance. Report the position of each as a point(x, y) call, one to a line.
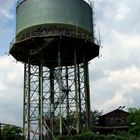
point(28, 100)
point(87, 93)
point(76, 91)
point(52, 101)
point(41, 101)
point(24, 100)
point(67, 92)
point(79, 92)
point(60, 86)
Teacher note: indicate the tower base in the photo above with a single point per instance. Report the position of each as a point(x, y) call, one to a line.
point(56, 98)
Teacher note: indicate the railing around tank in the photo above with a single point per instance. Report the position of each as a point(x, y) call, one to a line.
point(56, 31)
point(41, 34)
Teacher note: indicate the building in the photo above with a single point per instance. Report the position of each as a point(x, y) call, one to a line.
point(112, 121)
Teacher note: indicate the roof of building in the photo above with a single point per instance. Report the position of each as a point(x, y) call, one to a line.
point(115, 111)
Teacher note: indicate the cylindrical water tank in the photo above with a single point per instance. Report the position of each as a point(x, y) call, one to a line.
point(44, 25)
point(54, 17)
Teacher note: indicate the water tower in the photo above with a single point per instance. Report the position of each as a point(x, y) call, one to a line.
point(55, 41)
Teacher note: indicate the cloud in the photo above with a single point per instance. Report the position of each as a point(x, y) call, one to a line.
point(10, 73)
point(120, 51)
point(11, 86)
point(118, 15)
point(2, 87)
point(5, 9)
point(7, 17)
point(117, 87)
point(6, 14)
point(126, 96)
point(122, 12)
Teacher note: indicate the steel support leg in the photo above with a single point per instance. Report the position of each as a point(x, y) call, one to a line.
point(60, 87)
point(41, 137)
point(76, 91)
point(87, 94)
point(52, 101)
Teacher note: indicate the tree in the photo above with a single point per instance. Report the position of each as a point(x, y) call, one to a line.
point(10, 132)
point(134, 121)
point(69, 122)
point(95, 115)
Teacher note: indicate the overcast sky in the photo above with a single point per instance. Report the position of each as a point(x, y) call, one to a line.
point(114, 76)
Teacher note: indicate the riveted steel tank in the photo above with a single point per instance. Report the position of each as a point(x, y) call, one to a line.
point(42, 24)
point(34, 15)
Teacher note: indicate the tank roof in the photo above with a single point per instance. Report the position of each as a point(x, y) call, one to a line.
point(20, 1)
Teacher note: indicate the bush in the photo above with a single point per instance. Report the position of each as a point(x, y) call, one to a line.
point(133, 138)
point(83, 136)
point(115, 137)
point(92, 136)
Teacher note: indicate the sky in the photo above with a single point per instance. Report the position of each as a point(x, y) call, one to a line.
point(114, 75)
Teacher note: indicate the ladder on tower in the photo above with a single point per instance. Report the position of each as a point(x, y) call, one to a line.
point(64, 89)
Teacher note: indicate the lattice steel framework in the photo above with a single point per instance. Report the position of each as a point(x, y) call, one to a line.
point(56, 99)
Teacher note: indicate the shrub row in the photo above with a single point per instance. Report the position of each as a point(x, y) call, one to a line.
point(92, 136)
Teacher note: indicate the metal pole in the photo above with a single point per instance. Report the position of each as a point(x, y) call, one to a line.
point(41, 101)
point(79, 91)
point(67, 92)
point(60, 86)
point(87, 93)
point(52, 101)
point(76, 90)
point(28, 102)
point(24, 96)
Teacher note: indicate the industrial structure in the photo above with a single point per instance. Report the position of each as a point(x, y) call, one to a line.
point(55, 41)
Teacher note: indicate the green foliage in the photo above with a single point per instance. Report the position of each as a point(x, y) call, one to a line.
point(133, 121)
point(132, 137)
point(83, 136)
point(122, 133)
point(91, 136)
point(95, 115)
point(11, 133)
point(114, 137)
point(72, 118)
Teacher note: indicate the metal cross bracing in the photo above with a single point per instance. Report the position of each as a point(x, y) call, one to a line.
point(55, 99)
point(72, 101)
